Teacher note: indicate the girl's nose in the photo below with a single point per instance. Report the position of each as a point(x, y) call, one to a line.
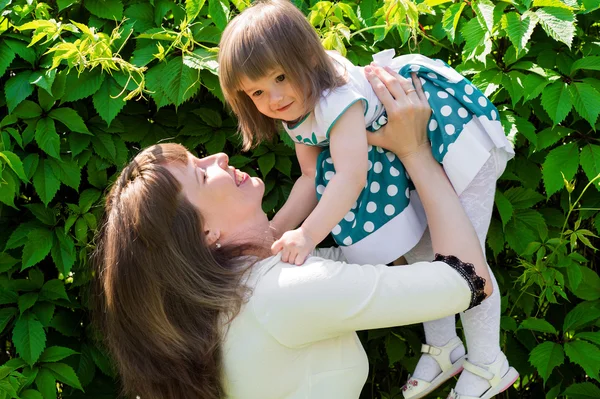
point(222, 160)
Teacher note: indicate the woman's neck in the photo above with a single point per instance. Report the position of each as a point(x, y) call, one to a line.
point(255, 231)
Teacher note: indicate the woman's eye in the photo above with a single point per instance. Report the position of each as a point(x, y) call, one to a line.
point(280, 78)
point(257, 93)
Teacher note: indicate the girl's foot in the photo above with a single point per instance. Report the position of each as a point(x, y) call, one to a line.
point(484, 381)
point(448, 360)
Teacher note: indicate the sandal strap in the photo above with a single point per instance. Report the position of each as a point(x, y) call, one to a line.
point(441, 354)
point(492, 373)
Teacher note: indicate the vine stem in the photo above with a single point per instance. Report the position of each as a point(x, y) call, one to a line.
point(572, 207)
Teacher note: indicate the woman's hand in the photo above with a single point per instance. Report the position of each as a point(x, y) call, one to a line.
point(408, 112)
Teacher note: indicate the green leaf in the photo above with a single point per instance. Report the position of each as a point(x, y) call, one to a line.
point(581, 315)
point(87, 198)
point(8, 187)
point(54, 289)
point(14, 162)
point(64, 373)
point(104, 146)
point(29, 338)
point(451, 18)
point(589, 158)
point(17, 89)
point(218, 10)
point(83, 85)
point(556, 100)
point(7, 55)
point(519, 28)
point(44, 311)
point(63, 251)
point(108, 9)
point(31, 394)
point(70, 118)
point(182, 82)
point(192, 8)
point(590, 63)
point(105, 101)
point(46, 383)
point(589, 289)
point(45, 182)
point(56, 353)
point(588, 336)
point(70, 173)
point(37, 247)
point(78, 143)
point(545, 357)
point(202, 59)
point(504, 207)
point(585, 99)
point(18, 238)
point(584, 390)
point(47, 138)
point(575, 276)
point(522, 198)
point(44, 79)
point(27, 300)
point(561, 161)
point(484, 9)
point(586, 355)
point(540, 325)
point(6, 315)
point(266, 163)
point(28, 109)
point(7, 262)
point(559, 23)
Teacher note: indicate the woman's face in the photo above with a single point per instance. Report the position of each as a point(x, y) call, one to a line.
point(225, 196)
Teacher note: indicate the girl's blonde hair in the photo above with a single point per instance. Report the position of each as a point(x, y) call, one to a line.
point(268, 35)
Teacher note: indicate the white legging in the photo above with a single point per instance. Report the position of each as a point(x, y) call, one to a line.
point(482, 323)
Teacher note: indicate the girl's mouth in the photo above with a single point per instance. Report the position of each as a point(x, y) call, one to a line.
point(285, 108)
point(240, 177)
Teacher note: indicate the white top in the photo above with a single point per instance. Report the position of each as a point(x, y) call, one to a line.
point(295, 337)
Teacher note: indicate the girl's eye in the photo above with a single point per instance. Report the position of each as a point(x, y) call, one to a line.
point(257, 93)
point(280, 78)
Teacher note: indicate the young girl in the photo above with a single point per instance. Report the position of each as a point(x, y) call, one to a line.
point(273, 68)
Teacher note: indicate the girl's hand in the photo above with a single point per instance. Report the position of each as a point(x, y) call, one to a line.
point(407, 108)
point(295, 246)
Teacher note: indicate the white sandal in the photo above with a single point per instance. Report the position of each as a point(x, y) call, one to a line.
point(492, 374)
point(416, 388)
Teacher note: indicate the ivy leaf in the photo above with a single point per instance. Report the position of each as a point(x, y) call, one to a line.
point(586, 355)
point(218, 10)
point(575, 276)
point(54, 289)
point(545, 357)
point(519, 28)
point(70, 118)
point(589, 289)
point(107, 106)
point(18, 238)
point(28, 109)
point(63, 252)
point(108, 9)
point(7, 55)
point(70, 172)
point(46, 383)
point(522, 198)
point(37, 247)
point(556, 100)
point(484, 9)
point(6, 315)
point(47, 138)
point(14, 162)
point(504, 206)
point(8, 187)
point(143, 16)
point(588, 336)
point(182, 82)
point(29, 338)
point(31, 394)
point(451, 18)
point(561, 161)
point(589, 158)
point(56, 353)
point(550, 136)
point(585, 99)
point(104, 146)
point(591, 63)
point(17, 89)
point(581, 315)
point(192, 8)
point(78, 86)
point(45, 182)
point(64, 373)
point(44, 79)
point(7, 262)
point(584, 390)
point(266, 163)
point(540, 325)
point(27, 300)
point(559, 23)
point(87, 198)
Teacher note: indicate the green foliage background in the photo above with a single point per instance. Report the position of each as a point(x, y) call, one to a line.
point(85, 84)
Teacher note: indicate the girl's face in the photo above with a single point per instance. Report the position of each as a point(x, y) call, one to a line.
point(275, 96)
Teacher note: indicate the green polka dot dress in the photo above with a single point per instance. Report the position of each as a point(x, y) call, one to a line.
point(387, 219)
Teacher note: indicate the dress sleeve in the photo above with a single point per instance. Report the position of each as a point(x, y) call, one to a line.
point(334, 103)
point(323, 299)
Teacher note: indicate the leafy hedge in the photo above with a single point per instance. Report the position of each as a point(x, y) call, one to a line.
point(87, 83)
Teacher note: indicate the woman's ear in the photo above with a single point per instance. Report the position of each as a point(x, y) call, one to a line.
point(212, 236)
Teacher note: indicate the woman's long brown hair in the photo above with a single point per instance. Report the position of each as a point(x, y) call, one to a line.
point(162, 294)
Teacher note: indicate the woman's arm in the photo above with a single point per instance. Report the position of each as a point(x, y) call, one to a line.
point(302, 199)
point(349, 152)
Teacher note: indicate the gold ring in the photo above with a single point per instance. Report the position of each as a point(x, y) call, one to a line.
point(410, 90)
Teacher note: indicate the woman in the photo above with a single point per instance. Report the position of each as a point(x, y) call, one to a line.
point(193, 305)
